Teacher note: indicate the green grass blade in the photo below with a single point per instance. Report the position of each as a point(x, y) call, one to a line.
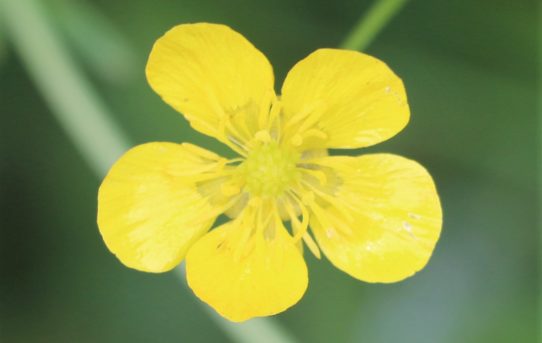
point(72, 101)
point(371, 23)
point(96, 40)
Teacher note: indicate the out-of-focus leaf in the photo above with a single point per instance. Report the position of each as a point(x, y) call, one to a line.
point(96, 40)
point(499, 38)
point(72, 100)
point(371, 23)
point(470, 117)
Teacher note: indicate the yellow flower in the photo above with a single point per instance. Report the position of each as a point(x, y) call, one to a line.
point(376, 217)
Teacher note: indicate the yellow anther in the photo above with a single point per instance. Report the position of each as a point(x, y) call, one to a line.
point(263, 136)
point(311, 244)
point(296, 140)
point(203, 153)
point(318, 174)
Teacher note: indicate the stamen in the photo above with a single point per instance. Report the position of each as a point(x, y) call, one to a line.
point(235, 210)
point(296, 140)
point(203, 153)
point(246, 231)
point(235, 160)
point(263, 136)
point(303, 121)
point(333, 201)
point(236, 133)
point(299, 228)
point(204, 176)
point(313, 117)
point(274, 113)
point(314, 133)
point(239, 118)
point(314, 160)
point(301, 115)
point(311, 244)
point(264, 113)
point(215, 212)
point(230, 140)
point(318, 174)
point(324, 218)
point(237, 146)
point(252, 224)
point(300, 137)
point(276, 124)
point(271, 226)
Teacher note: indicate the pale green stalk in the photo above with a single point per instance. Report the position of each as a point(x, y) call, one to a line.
point(372, 23)
point(71, 98)
point(98, 43)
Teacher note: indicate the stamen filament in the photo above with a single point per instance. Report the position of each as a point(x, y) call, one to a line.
point(319, 213)
point(236, 146)
point(311, 244)
point(203, 153)
point(334, 201)
point(318, 174)
point(229, 126)
point(299, 228)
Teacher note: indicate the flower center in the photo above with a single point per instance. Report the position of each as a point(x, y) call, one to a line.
point(270, 169)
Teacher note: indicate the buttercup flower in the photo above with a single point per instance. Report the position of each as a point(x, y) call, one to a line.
point(376, 217)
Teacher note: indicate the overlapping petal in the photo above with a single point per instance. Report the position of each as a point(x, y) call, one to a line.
point(213, 75)
point(386, 220)
point(259, 277)
point(149, 208)
point(354, 99)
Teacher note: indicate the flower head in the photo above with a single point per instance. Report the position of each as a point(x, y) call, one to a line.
point(376, 217)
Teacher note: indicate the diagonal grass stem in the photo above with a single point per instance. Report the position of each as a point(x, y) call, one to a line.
point(370, 24)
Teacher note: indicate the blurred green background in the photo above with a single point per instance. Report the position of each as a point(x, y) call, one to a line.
point(469, 69)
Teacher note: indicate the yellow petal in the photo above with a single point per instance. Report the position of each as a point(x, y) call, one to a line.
point(353, 98)
point(212, 75)
point(261, 277)
point(385, 220)
point(149, 209)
